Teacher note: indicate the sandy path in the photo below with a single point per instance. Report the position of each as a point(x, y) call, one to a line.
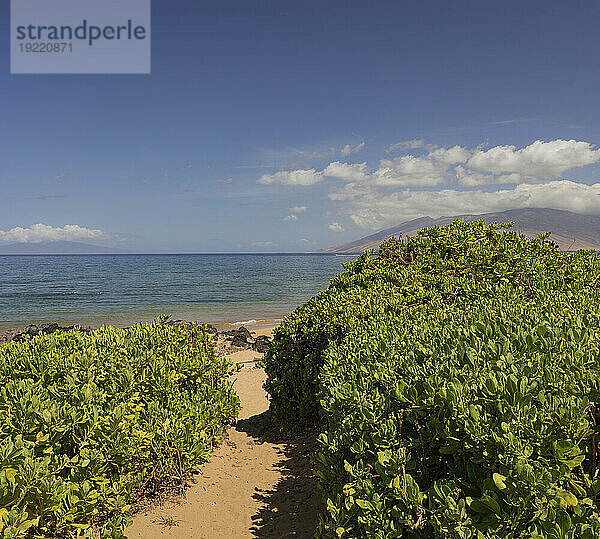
point(255, 485)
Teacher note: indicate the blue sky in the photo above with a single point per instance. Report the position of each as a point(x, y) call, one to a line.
point(290, 126)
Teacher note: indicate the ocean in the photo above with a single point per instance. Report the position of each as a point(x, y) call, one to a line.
point(123, 289)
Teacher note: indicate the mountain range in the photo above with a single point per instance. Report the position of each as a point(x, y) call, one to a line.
point(570, 231)
point(57, 248)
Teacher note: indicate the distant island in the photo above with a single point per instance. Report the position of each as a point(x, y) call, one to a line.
point(57, 248)
point(570, 231)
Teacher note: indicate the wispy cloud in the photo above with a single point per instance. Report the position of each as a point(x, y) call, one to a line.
point(348, 149)
point(406, 145)
point(47, 197)
point(292, 177)
point(288, 156)
point(291, 217)
point(298, 209)
point(513, 121)
point(263, 244)
point(254, 166)
point(60, 177)
point(336, 227)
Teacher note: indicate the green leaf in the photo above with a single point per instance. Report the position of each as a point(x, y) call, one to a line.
point(474, 412)
point(499, 481)
point(10, 474)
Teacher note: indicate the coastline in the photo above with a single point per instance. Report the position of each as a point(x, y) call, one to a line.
point(124, 290)
point(260, 326)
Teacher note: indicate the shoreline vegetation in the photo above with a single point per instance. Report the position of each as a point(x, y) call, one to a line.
point(454, 375)
point(37, 352)
point(444, 385)
point(92, 421)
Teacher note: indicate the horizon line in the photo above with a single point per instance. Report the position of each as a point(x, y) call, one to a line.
point(134, 253)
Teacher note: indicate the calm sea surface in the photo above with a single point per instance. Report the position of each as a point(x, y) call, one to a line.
point(121, 289)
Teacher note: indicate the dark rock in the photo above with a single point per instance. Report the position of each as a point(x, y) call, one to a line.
point(33, 330)
point(261, 344)
point(239, 331)
point(239, 337)
point(239, 340)
point(211, 330)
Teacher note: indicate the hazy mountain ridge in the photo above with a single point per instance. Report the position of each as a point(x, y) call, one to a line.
point(57, 248)
point(570, 231)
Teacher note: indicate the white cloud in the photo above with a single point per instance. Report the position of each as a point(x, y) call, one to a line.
point(540, 159)
point(515, 177)
point(226, 181)
point(449, 181)
point(350, 191)
point(496, 166)
point(450, 156)
point(413, 144)
point(40, 232)
point(298, 209)
point(470, 178)
point(303, 241)
point(263, 244)
point(292, 177)
point(344, 171)
point(410, 170)
point(290, 217)
point(407, 170)
point(377, 210)
point(349, 149)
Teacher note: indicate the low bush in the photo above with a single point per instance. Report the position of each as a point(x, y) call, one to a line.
point(456, 375)
point(90, 422)
point(472, 423)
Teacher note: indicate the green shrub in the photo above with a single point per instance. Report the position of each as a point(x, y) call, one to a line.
point(457, 375)
point(472, 423)
point(89, 422)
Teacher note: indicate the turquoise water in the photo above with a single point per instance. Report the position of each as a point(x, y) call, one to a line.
point(121, 289)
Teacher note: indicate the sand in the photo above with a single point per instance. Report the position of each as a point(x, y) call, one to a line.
point(256, 484)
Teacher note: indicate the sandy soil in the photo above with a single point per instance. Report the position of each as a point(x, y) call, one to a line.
point(255, 485)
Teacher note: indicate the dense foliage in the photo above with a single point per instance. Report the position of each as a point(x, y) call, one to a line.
point(90, 421)
point(457, 374)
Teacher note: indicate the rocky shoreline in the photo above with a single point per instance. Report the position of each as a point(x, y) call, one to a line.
point(233, 340)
